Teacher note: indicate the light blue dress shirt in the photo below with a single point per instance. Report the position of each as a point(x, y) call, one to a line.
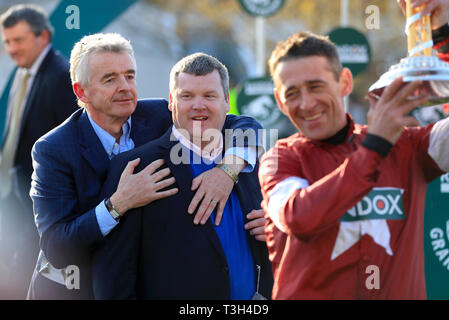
point(112, 148)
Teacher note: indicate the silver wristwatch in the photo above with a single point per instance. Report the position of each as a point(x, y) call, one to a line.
point(114, 213)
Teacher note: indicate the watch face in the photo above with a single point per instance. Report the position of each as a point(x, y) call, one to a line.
point(111, 210)
point(116, 216)
point(114, 213)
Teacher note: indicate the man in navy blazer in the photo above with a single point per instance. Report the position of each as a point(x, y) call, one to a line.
point(71, 162)
point(70, 168)
point(157, 252)
point(49, 100)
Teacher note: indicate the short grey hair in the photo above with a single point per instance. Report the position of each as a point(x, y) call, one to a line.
point(200, 64)
point(92, 44)
point(32, 14)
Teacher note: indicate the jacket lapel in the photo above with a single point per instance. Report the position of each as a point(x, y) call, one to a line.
point(35, 88)
point(139, 126)
point(91, 148)
point(184, 177)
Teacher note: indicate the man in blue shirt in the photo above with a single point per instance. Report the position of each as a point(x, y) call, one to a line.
point(157, 252)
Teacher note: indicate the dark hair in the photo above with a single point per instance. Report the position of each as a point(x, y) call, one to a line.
point(32, 14)
point(306, 44)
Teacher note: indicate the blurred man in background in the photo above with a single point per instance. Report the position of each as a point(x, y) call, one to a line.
point(40, 98)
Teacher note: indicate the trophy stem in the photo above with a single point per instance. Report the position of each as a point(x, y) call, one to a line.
point(419, 34)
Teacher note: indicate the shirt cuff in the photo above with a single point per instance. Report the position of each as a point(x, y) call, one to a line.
point(105, 221)
point(440, 34)
point(440, 39)
point(378, 144)
point(249, 154)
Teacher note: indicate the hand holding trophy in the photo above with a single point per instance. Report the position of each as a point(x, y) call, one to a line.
point(421, 63)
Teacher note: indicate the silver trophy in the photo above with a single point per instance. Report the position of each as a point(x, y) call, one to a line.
point(421, 63)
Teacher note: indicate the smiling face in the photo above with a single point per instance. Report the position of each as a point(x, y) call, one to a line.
point(111, 94)
point(308, 93)
point(198, 103)
point(23, 45)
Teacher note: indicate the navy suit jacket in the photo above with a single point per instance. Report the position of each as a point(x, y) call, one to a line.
point(156, 251)
point(70, 167)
